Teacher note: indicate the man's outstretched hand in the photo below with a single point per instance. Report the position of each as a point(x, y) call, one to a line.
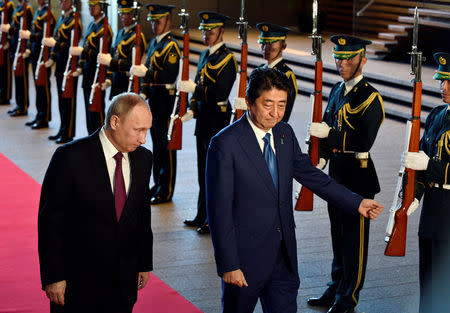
point(370, 208)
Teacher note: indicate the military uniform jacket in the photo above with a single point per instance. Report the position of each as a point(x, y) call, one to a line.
point(11, 7)
point(37, 31)
point(15, 26)
point(355, 119)
point(286, 70)
point(435, 142)
point(91, 48)
point(163, 60)
point(215, 77)
point(63, 37)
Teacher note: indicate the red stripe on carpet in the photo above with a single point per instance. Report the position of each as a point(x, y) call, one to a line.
point(20, 289)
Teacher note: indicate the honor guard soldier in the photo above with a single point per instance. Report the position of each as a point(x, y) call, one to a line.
point(43, 95)
point(350, 124)
point(432, 164)
point(216, 73)
point(20, 79)
point(119, 61)
point(159, 86)
point(5, 65)
point(88, 64)
point(60, 44)
point(273, 41)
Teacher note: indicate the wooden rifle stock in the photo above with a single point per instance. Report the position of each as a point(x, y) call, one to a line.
point(19, 69)
point(41, 77)
point(397, 243)
point(242, 76)
point(69, 88)
point(96, 103)
point(4, 35)
point(137, 58)
point(306, 197)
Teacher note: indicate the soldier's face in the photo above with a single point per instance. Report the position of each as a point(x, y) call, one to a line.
point(268, 109)
point(161, 26)
point(212, 36)
point(65, 5)
point(347, 67)
point(272, 51)
point(40, 2)
point(95, 10)
point(445, 90)
point(126, 19)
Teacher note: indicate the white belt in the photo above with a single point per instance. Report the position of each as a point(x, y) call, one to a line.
point(447, 186)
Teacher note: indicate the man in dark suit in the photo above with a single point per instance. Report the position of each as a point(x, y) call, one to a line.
point(95, 238)
point(249, 172)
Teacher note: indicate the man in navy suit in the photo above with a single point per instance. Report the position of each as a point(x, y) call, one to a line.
point(250, 167)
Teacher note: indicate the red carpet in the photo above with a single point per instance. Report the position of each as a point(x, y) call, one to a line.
point(20, 289)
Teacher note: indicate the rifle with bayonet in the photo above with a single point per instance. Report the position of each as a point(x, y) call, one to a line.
point(396, 240)
point(175, 132)
point(306, 196)
point(137, 50)
point(95, 98)
point(68, 83)
point(4, 36)
point(19, 62)
point(40, 74)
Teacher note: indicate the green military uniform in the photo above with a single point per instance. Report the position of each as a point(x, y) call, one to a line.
point(434, 185)
point(43, 95)
point(271, 33)
point(354, 117)
point(163, 60)
point(5, 69)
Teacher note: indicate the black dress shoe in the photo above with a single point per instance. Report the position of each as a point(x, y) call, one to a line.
point(62, 140)
point(39, 125)
point(323, 300)
point(54, 137)
point(196, 222)
point(30, 123)
point(204, 229)
point(339, 308)
point(13, 110)
point(157, 199)
point(18, 112)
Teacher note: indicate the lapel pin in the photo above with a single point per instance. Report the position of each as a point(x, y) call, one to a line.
point(282, 139)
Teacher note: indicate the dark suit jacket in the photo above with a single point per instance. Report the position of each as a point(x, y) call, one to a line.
point(243, 206)
point(80, 239)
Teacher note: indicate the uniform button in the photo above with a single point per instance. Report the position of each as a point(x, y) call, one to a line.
point(278, 229)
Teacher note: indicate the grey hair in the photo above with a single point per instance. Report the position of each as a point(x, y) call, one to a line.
point(121, 105)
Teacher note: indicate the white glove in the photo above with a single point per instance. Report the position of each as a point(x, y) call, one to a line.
point(240, 104)
point(75, 51)
point(319, 130)
point(138, 70)
point(322, 163)
point(106, 84)
point(49, 63)
point(414, 205)
point(143, 95)
point(5, 47)
point(187, 116)
point(186, 86)
point(5, 28)
point(24, 34)
point(26, 54)
point(77, 72)
point(104, 58)
point(417, 161)
point(49, 42)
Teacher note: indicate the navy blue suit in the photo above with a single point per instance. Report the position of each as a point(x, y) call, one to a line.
point(251, 223)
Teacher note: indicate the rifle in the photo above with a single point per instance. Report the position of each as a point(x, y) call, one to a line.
point(4, 36)
point(41, 71)
point(243, 28)
point(68, 84)
point(396, 242)
point(137, 51)
point(175, 131)
point(95, 98)
point(19, 62)
point(306, 196)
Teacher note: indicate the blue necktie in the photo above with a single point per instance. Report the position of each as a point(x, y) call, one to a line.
point(271, 160)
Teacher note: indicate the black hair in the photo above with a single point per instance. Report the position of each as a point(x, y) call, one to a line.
point(264, 79)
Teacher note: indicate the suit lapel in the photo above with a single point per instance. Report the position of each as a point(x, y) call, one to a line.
point(133, 180)
point(280, 149)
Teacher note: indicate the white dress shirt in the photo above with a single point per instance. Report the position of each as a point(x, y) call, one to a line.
point(158, 38)
point(352, 83)
point(259, 133)
point(271, 65)
point(110, 151)
point(215, 47)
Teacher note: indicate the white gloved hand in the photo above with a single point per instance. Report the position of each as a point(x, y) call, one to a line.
point(413, 206)
point(5, 47)
point(104, 58)
point(240, 104)
point(24, 34)
point(49, 42)
point(322, 163)
point(138, 70)
point(77, 72)
point(49, 63)
point(75, 51)
point(187, 116)
point(319, 130)
point(26, 54)
point(186, 86)
point(417, 161)
point(143, 95)
point(106, 84)
point(5, 28)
